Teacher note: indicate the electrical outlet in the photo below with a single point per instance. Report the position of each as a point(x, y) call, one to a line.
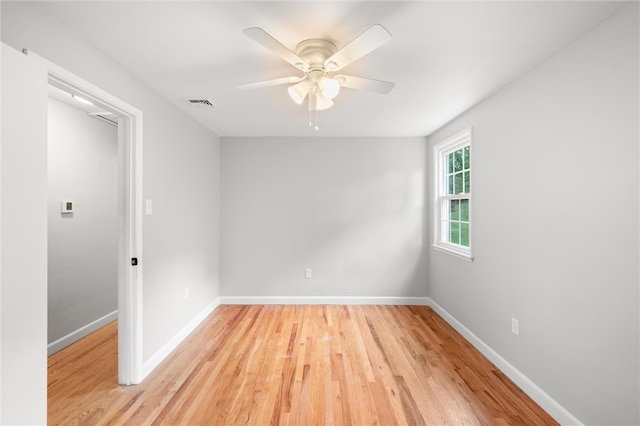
point(515, 328)
point(186, 293)
point(307, 273)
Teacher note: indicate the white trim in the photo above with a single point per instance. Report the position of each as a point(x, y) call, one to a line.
point(130, 214)
point(457, 253)
point(173, 343)
point(78, 334)
point(550, 405)
point(321, 300)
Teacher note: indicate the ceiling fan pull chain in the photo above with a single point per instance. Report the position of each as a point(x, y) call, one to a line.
point(313, 107)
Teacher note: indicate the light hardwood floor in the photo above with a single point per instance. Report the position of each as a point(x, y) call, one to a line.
point(302, 365)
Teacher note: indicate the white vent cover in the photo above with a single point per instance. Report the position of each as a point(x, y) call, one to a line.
point(202, 102)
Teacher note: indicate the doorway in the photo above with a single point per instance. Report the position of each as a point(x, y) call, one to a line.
point(82, 234)
point(129, 213)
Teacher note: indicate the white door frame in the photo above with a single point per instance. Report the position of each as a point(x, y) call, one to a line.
point(129, 215)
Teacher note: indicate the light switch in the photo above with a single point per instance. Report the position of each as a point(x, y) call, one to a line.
point(148, 207)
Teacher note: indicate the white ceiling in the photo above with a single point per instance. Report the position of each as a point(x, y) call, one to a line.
point(444, 56)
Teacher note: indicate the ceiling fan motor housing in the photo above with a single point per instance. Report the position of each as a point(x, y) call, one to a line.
point(315, 52)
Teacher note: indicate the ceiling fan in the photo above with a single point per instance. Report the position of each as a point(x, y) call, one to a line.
point(319, 59)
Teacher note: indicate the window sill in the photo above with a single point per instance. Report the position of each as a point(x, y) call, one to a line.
point(453, 252)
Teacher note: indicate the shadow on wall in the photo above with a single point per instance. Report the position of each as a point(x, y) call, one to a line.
point(372, 236)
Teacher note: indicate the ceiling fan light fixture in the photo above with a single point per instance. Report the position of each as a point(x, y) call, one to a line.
point(299, 91)
point(322, 102)
point(330, 87)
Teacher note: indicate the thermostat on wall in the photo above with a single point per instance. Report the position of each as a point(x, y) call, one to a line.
point(66, 207)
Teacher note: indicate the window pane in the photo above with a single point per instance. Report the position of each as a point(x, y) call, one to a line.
point(450, 185)
point(458, 160)
point(449, 163)
point(464, 210)
point(467, 158)
point(454, 235)
point(458, 183)
point(467, 182)
point(454, 210)
point(464, 234)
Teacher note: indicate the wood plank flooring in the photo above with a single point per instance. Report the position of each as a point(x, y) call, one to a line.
point(297, 365)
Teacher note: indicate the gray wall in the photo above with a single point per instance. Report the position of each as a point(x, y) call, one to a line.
point(349, 208)
point(180, 175)
point(83, 246)
point(555, 225)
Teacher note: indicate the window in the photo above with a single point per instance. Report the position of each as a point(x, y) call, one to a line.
point(452, 202)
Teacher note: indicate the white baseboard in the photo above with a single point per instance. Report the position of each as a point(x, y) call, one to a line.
point(155, 360)
point(322, 300)
point(550, 405)
point(74, 336)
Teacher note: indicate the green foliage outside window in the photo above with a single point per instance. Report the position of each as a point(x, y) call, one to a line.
point(458, 178)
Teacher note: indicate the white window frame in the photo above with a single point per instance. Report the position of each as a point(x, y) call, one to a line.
point(440, 196)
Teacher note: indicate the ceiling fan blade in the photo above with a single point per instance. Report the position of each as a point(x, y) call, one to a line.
point(368, 84)
point(269, 83)
point(371, 39)
point(264, 38)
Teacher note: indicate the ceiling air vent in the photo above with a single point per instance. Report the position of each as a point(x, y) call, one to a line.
point(202, 102)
